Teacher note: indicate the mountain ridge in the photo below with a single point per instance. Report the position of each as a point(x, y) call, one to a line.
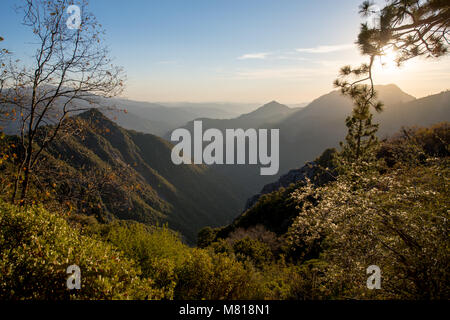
point(306, 132)
point(147, 186)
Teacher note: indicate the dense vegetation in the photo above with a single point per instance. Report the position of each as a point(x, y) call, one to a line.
point(108, 172)
point(320, 238)
point(85, 191)
point(391, 211)
point(36, 247)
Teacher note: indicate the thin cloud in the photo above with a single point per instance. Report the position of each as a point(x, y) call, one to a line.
point(326, 49)
point(261, 56)
point(281, 73)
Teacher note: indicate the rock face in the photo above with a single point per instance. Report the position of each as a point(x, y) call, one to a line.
point(293, 176)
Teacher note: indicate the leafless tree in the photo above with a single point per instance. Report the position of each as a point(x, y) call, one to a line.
point(70, 72)
point(3, 72)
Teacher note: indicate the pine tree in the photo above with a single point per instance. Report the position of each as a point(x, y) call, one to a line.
point(411, 28)
point(361, 139)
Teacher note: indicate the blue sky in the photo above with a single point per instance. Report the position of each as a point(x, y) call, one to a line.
point(241, 51)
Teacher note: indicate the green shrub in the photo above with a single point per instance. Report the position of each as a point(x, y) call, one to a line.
point(397, 220)
point(157, 250)
point(210, 276)
point(179, 271)
point(258, 252)
point(205, 237)
point(37, 246)
point(222, 246)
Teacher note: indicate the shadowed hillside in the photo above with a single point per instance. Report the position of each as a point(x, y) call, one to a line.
point(145, 185)
point(306, 132)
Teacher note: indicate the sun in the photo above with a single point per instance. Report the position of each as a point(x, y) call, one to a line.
point(387, 62)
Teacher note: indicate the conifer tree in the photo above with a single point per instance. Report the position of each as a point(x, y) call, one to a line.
point(361, 139)
point(409, 27)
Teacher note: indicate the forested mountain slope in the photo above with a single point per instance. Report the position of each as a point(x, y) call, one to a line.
point(129, 175)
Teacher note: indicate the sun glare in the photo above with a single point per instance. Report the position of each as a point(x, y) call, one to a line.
point(386, 63)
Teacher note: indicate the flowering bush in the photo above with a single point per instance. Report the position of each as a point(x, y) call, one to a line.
point(398, 220)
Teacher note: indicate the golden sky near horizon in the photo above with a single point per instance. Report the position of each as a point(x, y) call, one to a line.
point(288, 84)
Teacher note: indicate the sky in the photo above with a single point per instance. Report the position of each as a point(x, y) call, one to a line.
point(234, 50)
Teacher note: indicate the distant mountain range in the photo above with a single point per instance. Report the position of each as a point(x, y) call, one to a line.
point(145, 185)
point(151, 189)
point(267, 115)
point(306, 132)
point(149, 117)
point(158, 119)
point(232, 107)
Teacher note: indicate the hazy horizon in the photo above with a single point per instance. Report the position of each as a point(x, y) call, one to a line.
point(233, 52)
point(261, 103)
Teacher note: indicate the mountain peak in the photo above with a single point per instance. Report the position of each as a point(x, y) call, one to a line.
point(274, 104)
point(393, 94)
point(98, 118)
point(270, 109)
point(93, 114)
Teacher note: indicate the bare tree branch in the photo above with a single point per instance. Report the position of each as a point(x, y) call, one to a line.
point(70, 73)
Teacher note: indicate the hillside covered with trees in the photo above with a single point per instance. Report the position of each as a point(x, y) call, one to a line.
point(79, 190)
point(292, 244)
point(107, 172)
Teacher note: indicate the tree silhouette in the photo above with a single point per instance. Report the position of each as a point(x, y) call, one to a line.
point(409, 27)
point(69, 72)
point(361, 138)
point(3, 73)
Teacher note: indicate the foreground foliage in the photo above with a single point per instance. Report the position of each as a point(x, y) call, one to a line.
point(398, 221)
point(36, 247)
point(391, 212)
